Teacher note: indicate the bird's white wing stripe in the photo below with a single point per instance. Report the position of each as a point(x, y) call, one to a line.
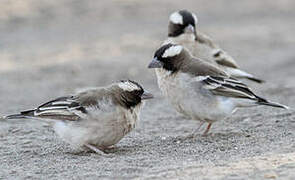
point(200, 78)
point(52, 108)
point(53, 112)
point(228, 87)
point(61, 102)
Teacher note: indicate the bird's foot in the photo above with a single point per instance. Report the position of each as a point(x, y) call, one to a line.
point(195, 133)
point(97, 150)
point(192, 136)
point(109, 149)
point(207, 130)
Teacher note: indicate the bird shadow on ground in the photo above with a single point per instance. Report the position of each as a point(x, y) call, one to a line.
point(210, 136)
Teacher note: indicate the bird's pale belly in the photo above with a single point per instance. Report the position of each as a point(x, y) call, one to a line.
point(188, 100)
point(100, 133)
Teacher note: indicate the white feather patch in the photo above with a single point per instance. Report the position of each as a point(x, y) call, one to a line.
point(54, 112)
point(61, 102)
point(52, 108)
point(176, 18)
point(238, 73)
point(200, 78)
point(172, 51)
point(128, 86)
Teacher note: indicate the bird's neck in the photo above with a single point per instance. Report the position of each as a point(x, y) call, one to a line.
point(186, 37)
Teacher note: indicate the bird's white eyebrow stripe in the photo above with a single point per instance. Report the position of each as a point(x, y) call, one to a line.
point(128, 86)
point(172, 51)
point(176, 18)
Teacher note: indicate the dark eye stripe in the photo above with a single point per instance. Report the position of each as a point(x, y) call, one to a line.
point(162, 50)
point(137, 92)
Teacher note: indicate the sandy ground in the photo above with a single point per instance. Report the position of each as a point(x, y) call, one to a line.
point(49, 49)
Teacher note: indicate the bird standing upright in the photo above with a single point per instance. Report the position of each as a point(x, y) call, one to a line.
point(182, 30)
point(95, 118)
point(199, 90)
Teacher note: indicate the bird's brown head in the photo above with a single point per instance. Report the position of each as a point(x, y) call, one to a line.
point(170, 57)
point(131, 94)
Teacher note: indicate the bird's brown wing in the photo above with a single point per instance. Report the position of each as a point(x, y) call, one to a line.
point(204, 39)
point(220, 56)
point(198, 67)
point(63, 108)
point(71, 108)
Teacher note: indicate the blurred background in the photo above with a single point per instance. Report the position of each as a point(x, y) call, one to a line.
point(67, 40)
point(50, 48)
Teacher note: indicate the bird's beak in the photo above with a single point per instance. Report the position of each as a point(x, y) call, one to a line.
point(196, 37)
point(190, 29)
point(146, 95)
point(155, 64)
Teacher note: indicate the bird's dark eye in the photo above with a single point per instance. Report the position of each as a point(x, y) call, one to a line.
point(137, 92)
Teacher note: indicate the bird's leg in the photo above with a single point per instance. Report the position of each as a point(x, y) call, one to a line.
point(196, 131)
point(207, 130)
point(201, 124)
point(95, 149)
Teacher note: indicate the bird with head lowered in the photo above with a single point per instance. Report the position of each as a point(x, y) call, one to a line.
point(95, 118)
point(182, 30)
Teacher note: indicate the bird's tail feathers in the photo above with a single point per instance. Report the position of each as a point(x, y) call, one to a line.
point(22, 115)
point(238, 73)
point(256, 80)
point(262, 101)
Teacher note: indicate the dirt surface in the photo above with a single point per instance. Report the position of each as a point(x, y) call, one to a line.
point(49, 49)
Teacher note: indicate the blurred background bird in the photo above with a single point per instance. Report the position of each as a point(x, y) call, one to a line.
point(183, 30)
